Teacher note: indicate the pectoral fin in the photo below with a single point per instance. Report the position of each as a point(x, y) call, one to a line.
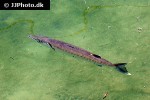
point(51, 46)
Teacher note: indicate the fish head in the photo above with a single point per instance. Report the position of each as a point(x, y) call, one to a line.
point(39, 39)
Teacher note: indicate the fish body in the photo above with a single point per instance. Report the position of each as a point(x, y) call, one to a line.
point(53, 43)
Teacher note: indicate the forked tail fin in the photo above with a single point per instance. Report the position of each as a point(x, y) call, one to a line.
point(121, 68)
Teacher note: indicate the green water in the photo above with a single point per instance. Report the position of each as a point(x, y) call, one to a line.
point(116, 30)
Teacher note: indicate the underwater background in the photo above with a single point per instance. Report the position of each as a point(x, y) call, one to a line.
point(117, 30)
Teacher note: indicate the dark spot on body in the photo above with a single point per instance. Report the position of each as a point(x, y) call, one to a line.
point(70, 46)
point(97, 56)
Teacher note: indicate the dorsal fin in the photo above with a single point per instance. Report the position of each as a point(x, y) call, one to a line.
point(97, 56)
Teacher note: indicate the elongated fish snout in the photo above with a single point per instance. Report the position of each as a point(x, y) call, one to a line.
point(30, 36)
point(33, 37)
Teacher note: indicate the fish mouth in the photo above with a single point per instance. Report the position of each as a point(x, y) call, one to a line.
point(32, 37)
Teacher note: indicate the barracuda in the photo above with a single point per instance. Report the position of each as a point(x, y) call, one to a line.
point(53, 43)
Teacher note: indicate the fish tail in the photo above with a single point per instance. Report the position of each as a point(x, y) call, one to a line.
point(121, 68)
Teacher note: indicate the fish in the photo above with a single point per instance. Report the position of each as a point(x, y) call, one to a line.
point(53, 43)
